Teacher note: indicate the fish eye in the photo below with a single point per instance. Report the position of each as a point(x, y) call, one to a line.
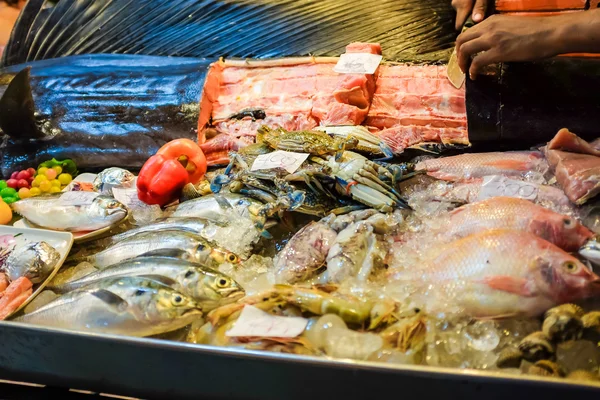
point(140, 292)
point(222, 282)
point(189, 273)
point(232, 258)
point(569, 222)
point(113, 204)
point(570, 266)
point(177, 299)
point(201, 247)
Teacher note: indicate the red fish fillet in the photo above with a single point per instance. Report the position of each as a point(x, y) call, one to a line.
point(17, 292)
point(577, 170)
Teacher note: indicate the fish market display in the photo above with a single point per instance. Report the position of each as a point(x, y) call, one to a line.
point(128, 306)
point(72, 211)
point(319, 234)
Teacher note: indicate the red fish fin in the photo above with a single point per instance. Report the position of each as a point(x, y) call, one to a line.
point(514, 165)
point(510, 285)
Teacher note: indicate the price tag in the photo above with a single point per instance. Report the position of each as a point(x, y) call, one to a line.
point(78, 198)
point(279, 159)
point(358, 63)
point(497, 185)
point(128, 196)
point(255, 322)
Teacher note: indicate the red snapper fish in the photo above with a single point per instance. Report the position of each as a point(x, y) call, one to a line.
point(499, 273)
point(477, 165)
point(517, 214)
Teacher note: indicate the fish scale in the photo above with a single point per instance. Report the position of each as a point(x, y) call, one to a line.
point(513, 213)
point(499, 273)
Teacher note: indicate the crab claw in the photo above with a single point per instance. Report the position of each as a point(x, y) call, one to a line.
point(218, 181)
point(387, 152)
point(296, 198)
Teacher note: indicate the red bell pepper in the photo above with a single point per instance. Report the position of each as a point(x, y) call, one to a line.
point(189, 154)
point(164, 175)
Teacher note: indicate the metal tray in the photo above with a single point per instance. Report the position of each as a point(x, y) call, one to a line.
point(155, 369)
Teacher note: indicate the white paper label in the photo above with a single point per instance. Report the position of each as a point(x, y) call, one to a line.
point(255, 322)
point(78, 198)
point(497, 185)
point(280, 159)
point(128, 196)
point(358, 63)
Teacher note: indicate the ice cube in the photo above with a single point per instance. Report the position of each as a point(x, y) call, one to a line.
point(344, 343)
point(483, 335)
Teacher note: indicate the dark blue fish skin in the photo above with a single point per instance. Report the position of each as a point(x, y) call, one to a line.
point(408, 30)
point(106, 110)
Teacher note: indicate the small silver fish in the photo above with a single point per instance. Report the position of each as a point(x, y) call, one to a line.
point(91, 212)
point(112, 177)
point(133, 306)
point(35, 261)
point(208, 287)
point(591, 251)
point(220, 208)
point(188, 224)
point(200, 250)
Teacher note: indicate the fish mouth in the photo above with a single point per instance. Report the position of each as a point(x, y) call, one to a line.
point(192, 311)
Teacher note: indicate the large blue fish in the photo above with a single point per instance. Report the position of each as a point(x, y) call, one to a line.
point(117, 109)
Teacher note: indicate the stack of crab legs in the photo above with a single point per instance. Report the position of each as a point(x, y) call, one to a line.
point(334, 167)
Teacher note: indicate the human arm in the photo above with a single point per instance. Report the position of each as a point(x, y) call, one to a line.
point(477, 9)
point(511, 38)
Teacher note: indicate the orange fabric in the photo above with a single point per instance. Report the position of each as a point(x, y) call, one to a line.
point(539, 5)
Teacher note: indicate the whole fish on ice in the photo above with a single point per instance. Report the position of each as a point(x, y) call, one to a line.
point(208, 287)
point(498, 273)
point(199, 249)
point(477, 165)
point(131, 306)
point(518, 214)
point(64, 212)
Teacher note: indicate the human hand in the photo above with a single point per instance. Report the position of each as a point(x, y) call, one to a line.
point(465, 7)
point(506, 38)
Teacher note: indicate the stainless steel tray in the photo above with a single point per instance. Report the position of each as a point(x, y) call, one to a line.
point(150, 369)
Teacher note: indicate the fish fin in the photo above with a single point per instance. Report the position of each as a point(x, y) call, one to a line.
point(111, 299)
point(165, 280)
point(17, 110)
point(514, 165)
point(16, 48)
point(510, 285)
point(223, 203)
point(241, 29)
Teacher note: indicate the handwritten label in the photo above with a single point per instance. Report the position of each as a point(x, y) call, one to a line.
point(78, 198)
point(497, 185)
point(279, 159)
point(128, 196)
point(358, 63)
point(255, 322)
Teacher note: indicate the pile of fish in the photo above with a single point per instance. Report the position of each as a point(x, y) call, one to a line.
point(459, 273)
